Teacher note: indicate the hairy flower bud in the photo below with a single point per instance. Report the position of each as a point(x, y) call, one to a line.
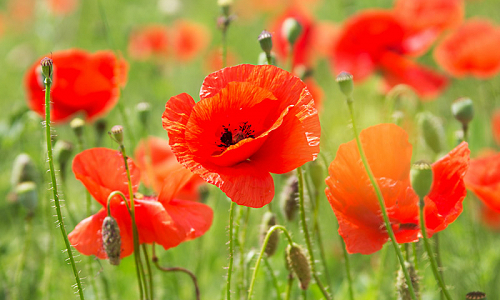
point(421, 178)
point(116, 134)
point(47, 67)
point(432, 131)
point(402, 286)
point(288, 199)
point(299, 263)
point(344, 79)
point(23, 169)
point(291, 30)
point(111, 240)
point(268, 221)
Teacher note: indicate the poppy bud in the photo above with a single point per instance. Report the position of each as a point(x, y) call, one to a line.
point(143, 110)
point(463, 110)
point(421, 178)
point(111, 240)
point(23, 170)
point(116, 134)
point(62, 152)
point(432, 131)
point(27, 195)
point(288, 199)
point(47, 67)
point(402, 286)
point(268, 221)
point(475, 296)
point(263, 59)
point(346, 85)
point(77, 124)
point(266, 41)
point(299, 263)
point(291, 30)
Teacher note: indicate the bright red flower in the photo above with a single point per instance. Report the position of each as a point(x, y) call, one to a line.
point(375, 40)
point(471, 50)
point(388, 152)
point(62, 7)
point(151, 40)
point(189, 39)
point(324, 37)
point(316, 92)
point(81, 82)
point(162, 220)
point(483, 179)
point(162, 165)
point(251, 121)
point(495, 125)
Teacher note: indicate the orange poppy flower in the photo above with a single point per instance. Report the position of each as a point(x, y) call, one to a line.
point(425, 20)
point(81, 82)
point(471, 50)
point(250, 121)
point(483, 179)
point(388, 152)
point(163, 220)
point(189, 39)
point(374, 40)
point(495, 120)
point(162, 166)
point(62, 7)
point(148, 41)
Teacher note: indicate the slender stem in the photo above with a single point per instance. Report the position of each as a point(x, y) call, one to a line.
point(289, 286)
point(347, 268)
point(148, 266)
point(48, 83)
point(381, 202)
point(273, 278)
point(224, 47)
point(16, 287)
point(300, 177)
point(438, 259)
point(262, 251)
point(242, 250)
point(415, 255)
point(430, 254)
point(239, 285)
point(231, 251)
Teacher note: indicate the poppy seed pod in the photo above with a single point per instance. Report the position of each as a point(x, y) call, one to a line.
point(268, 221)
point(23, 169)
point(288, 200)
point(299, 263)
point(475, 296)
point(117, 134)
point(77, 124)
point(463, 110)
point(47, 67)
point(266, 41)
point(291, 30)
point(111, 240)
point(344, 79)
point(402, 286)
point(421, 178)
point(432, 131)
point(27, 195)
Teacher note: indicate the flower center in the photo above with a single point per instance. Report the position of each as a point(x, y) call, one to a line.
point(230, 136)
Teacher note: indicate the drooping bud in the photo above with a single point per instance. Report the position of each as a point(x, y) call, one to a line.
point(475, 296)
point(421, 178)
point(299, 263)
point(402, 286)
point(77, 124)
point(111, 240)
point(47, 67)
point(116, 134)
point(432, 131)
point(291, 30)
point(62, 152)
point(143, 110)
point(266, 41)
point(27, 196)
point(268, 221)
point(288, 198)
point(463, 110)
point(346, 84)
point(263, 59)
point(23, 169)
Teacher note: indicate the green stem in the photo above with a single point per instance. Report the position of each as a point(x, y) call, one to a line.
point(381, 202)
point(289, 287)
point(231, 251)
point(262, 252)
point(415, 255)
point(148, 266)
point(300, 177)
point(347, 268)
point(16, 287)
point(430, 254)
point(48, 83)
point(273, 278)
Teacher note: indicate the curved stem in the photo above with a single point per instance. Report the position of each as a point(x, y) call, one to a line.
point(381, 202)
point(430, 254)
point(48, 83)
point(231, 251)
point(300, 177)
point(262, 251)
point(289, 287)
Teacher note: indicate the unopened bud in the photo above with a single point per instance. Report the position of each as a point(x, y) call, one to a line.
point(143, 110)
point(432, 131)
point(116, 134)
point(263, 59)
point(463, 110)
point(288, 199)
point(266, 41)
point(47, 67)
point(111, 240)
point(402, 286)
point(421, 178)
point(27, 196)
point(299, 263)
point(291, 30)
point(24, 169)
point(77, 124)
point(475, 296)
point(268, 221)
point(62, 152)
point(346, 85)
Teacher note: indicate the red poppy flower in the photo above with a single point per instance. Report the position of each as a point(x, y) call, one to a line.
point(483, 179)
point(316, 92)
point(388, 152)
point(324, 37)
point(151, 40)
point(189, 39)
point(471, 50)
point(251, 121)
point(162, 220)
point(375, 40)
point(495, 120)
point(162, 165)
point(81, 82)
point(425, 20)
point(62, 7)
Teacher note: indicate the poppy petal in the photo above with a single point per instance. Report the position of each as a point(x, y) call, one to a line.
point(175, 182)
point(190, 217)
point(483, 179)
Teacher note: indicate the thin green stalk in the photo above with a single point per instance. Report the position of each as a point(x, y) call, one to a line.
point(273, 278)
point(438, 260)
point(262, 252)
point(48, 83)
point(381, 203)
point(300, 177)
point(240, 284)
point(231, 251)
point(16, 286)
point(430, 254)
point(415, 255)
point(347, 268)
point(148, 266)
point(289, 286)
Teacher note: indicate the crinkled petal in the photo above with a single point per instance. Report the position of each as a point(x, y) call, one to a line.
point(483, 179)
point(190, 217)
